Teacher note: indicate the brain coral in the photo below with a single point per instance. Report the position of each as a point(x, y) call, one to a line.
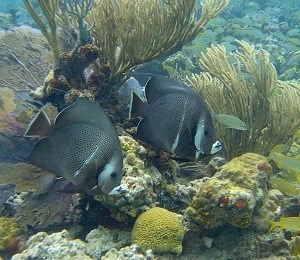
point(158, 229)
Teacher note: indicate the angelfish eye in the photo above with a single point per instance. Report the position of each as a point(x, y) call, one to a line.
point(205, 132)
point(113, 175)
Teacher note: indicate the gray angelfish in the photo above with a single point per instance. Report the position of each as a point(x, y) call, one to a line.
point(175, 119)
point(82, 146)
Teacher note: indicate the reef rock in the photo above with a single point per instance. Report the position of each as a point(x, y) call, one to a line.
point(138, 183)
point(232, 194)
point(61, 245)
point(129, 252)
point(102, 239)
point(55, 246)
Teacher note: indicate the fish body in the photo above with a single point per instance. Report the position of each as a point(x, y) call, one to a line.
point(175, 119)
point(284, 186)
point(290, 163)
point(280, 148)
point(82, 146)
point(231, 121)
point(291, 223)
point(189, 63)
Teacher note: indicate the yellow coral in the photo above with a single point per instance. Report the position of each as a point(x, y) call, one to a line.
point(8, 229)
point(158, 229)
point(7, 100)
point(131, 150)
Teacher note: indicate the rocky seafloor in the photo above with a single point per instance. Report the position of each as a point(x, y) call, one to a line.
point(218, 211)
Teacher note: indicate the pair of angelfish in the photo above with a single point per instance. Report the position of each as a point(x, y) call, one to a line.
point(83, 146)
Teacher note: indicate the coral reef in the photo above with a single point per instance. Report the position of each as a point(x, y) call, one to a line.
point(25, 61)
point(61, 245)
point(102, 239)
point(149, 27)
point(25, 58)
point(7, 106)
point(275, 28)
point(52, 208)
point(246, 244)
point(32, 190)
point(244, 89)
point(6, 191)
point(129, 252)
point(271, 208)
point(112, 43)
point(12, 147)
point(227, 208)
point(138, 183)
point(295, 244)
point(160, 230)
point(55, 246)
point(9, 229)
point(26, 177)
point(232, 194)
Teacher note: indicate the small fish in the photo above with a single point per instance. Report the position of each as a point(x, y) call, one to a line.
point(82, 146)
point(290, 163)
point(289, 175)
point(280, 148)
point(174, 119)
point(284, 186)
point(292, 223)
point(189, 63)
point(231, 121)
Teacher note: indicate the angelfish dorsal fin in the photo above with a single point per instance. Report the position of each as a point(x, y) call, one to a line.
point(40, 126)
point(158, 86)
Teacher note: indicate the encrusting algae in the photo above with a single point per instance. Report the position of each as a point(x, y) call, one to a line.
point(232, 194)
point(138, 183)
point(158, 229)
point(9, 230)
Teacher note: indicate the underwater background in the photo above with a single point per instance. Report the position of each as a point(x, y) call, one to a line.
point(93, 179)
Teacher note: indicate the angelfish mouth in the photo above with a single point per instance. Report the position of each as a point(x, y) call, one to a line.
point(216, 147)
